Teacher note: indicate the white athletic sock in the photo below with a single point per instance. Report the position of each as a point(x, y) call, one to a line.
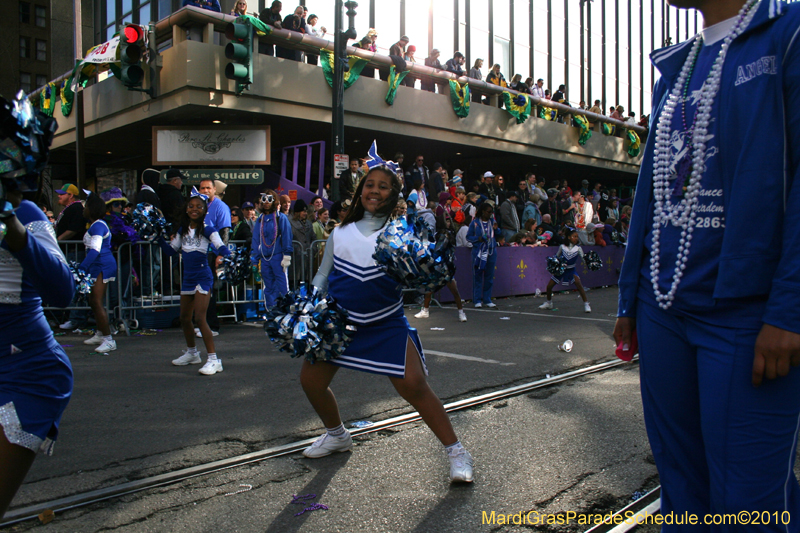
point(338, 431)
point(212, 356)
point(107, 338)
point(192, 349)
point(454, 447)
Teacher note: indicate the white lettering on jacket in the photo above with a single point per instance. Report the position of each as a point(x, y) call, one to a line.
point(765, 65)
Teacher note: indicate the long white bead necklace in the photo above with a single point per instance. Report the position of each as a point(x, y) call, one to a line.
point(686, 210)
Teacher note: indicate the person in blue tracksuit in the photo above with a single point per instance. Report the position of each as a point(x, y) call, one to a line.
point(193, 239)
point(272, 247)
point(716, 313)
point(35, 373)
point(102, 267)
point(484, 256)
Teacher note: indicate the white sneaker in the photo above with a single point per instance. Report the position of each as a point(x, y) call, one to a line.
point(188, 358)
point(547, 305)
point(199, 333)
point(326, 445)
point(67, 325)
point(587, 307)
point(107, 346)
point(424, 313)
point(211, 367)
point(478, 305)
point(491, 305)
point(97, 338)
point(462, 316)
point(460, 466)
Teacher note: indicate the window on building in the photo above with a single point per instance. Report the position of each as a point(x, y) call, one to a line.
point(25, 47)
point(24, 13)
point(41, 80)
point(41, 16)
point(41, 50)
point(25, 81)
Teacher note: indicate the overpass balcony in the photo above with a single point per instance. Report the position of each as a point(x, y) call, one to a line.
point(187, 74)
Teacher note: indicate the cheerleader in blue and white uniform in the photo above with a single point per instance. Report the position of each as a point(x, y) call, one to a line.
point(101, 266)
point(272, 247)
point(35, 373)
point(193, 240)
point(384, 343)
point(570, 253)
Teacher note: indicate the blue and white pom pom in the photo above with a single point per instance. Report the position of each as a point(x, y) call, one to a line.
point(308, 324)
point(408, 255)
point(592, 260)
point(149, 222)
point(83, 281)
point(236, 266)
point(556, 266)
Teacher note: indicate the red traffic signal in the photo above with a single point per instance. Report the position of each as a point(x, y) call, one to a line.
point(133, 34)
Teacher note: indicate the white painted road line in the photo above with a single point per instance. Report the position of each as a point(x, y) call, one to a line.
point(499, 311)
point(468, 358)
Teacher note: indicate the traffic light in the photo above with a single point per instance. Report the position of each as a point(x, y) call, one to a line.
point(131, 41)
point(240, 51)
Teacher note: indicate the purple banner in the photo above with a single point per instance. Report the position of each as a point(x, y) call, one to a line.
point(521, 270)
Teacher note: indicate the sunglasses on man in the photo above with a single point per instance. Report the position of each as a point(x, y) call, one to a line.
point(267, 198)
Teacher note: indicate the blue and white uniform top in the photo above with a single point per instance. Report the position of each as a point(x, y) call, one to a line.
point(194, 246)
point(570, 254)
point(356, 282)
point(35, 373)
point(99, 257)
point(270, 240)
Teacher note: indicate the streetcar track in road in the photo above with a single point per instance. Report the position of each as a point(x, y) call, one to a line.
point(83, 499)
point(632, 515)
point(499, 311)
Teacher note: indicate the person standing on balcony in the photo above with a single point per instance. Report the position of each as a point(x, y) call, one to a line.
point(296, 23)
point(239, 9)
point(272, 247)
point(476, 74)
point(218, 216)
point(456, 64)
point(410, 79)
point(368, 43)
point(211, 5)
point(270, 17)
point(432, 61)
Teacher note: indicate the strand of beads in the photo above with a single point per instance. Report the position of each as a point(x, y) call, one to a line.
point(661, 165)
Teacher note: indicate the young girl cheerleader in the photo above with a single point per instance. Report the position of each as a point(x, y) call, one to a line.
point(102, 267)
point(384, 344)
point(35, 374)
point(570, 253)
point(193, 239)
point(272, 246)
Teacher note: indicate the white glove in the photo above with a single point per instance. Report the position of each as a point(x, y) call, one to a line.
point(286, 261)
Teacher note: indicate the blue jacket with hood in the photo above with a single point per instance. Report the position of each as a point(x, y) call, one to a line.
point(758, 112)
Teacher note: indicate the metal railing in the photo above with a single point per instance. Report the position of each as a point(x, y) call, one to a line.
point(149, 281)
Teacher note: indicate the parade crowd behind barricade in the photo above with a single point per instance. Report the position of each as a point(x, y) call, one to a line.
point(403, 51)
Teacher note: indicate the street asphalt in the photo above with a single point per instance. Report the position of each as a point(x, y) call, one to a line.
point(578, 446)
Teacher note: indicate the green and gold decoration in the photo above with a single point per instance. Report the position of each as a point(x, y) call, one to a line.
point(583, 123)
point(260, 27)
point(395, 80)
point(460, 97)
point(608, 129)
point(47, 99)
point(635, 146)
point(518, 105)
point(547, 113)
point(356, 66)
point(80, 76)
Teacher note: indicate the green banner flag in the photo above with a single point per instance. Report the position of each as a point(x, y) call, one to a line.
point(635, 146)
point(47, 99)
point(583, 123)
point(460, 97)
point(519, 106)
point(395, 80)
point(357, 64)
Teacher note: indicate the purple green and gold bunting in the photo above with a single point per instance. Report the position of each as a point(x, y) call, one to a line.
point(80, 76)
point(395, 80)
point(608, 129)
point(460, 97)
point(547, 113)
point(356, 66)
point(518, 106)
point(47, 99)
point(635, 146)
point(260, 27)
point(583, 123)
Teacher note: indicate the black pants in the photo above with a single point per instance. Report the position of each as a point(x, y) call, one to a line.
point(211, 312)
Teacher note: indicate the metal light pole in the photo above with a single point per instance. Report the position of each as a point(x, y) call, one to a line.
point(340, 67)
